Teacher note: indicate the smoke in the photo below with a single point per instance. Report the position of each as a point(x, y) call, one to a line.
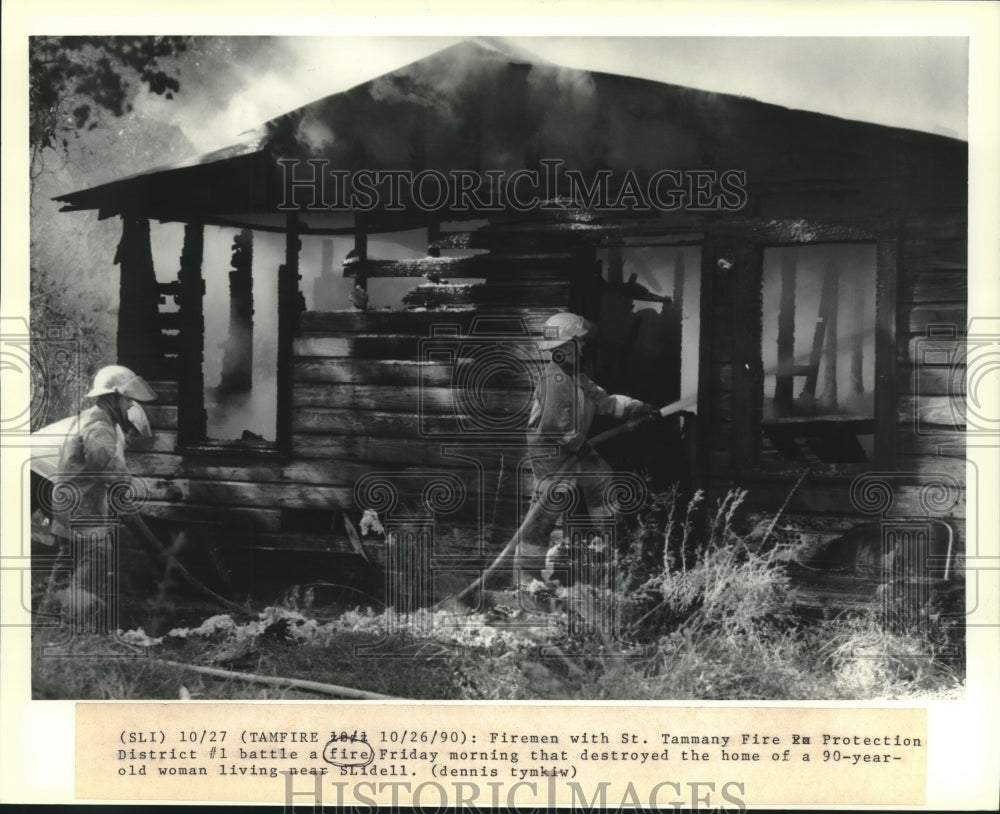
point(565, 88)
point(315, 134)
point(232, 85)
point(854, 337)
point(447, 82)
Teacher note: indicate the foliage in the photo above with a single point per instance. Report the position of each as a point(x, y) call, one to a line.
point(68, 346)
point(76, 80)
point(76, 86)
point(703, 573)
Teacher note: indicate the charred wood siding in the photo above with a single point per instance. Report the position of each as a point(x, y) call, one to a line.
point(931, 354)
point(363, 401)
point(374, 392)
point(363, 398)
point(366, 381)
point(228, 489)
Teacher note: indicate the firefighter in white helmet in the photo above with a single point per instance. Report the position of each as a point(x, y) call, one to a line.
point(565, 404)
point(92, 459)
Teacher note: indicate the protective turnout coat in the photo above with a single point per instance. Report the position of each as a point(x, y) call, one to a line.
point(92, 459)
point(565, 404)
point(562, 413)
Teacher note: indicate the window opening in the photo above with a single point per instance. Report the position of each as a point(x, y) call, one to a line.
point(818, 353)
point(241, 328)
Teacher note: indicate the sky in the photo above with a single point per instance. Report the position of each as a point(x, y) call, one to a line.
point(231, 85)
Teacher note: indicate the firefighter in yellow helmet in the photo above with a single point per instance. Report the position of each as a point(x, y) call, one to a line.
point(565, 404)
point(92, 459)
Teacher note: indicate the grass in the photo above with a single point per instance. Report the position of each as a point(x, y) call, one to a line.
point(349, 651)
point(697, 609)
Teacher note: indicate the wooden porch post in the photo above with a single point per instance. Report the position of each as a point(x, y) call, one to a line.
point(784, 390)
point(677, 326)
point(857, 333)
point(706, 373)
point(191, 415)
point(237, 360)
point(290, 305)
point(830, 398)
point(679, 273)
point(138, 344)
point(748, 379)
point(827, 296)
point(359, 294)
point(616, 273)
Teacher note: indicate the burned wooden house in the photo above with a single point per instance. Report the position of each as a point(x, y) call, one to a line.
point(801, 278)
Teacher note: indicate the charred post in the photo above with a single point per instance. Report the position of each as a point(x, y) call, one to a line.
point(290, 306)
point(675, 311)
point(710, 379)
point(679, 273)
point(829, 291)
point(585, 293)
point(191, 417)
point(237, 360)
point(139, 328)
point(857, 334)
point(832, 301)
point(784, 380)
point(616, 266)
point(744, 282)
point(359, 255)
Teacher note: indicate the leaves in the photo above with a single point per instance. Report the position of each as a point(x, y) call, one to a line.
point(75, 80)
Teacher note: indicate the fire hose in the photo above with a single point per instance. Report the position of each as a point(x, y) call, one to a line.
point(676, 407)
point(165, 558)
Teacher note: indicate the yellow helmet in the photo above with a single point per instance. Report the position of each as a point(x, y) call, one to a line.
point(119, 379)
point(561, 328)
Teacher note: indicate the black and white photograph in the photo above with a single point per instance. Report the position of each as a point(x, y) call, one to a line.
point(499, 368)
point(587, 384)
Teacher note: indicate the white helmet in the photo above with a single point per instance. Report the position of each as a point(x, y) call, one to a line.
point(118, 379)
point(561, 328)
